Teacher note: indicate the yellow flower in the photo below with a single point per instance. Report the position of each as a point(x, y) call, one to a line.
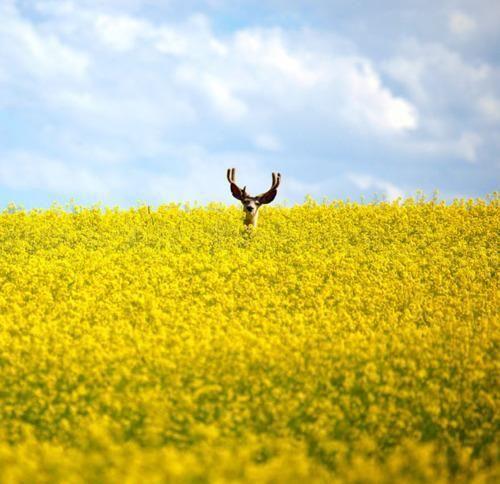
point(337, 342)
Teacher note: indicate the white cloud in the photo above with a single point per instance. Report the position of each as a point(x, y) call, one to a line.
point(120, 33)
point(168, 41)
point(434, 75)
point(223, 98)
point(111, 93)
point(300, 77)
point(489, 107)
point(375, 104)
point(468, 145)
point(25, 170)
point(463, 146)
point(368, 182)
point(268, 142)
point(461, 24)
point(246, 77)
point(295, 189)
point(450, 92)
point(27, 51)
point(267, 49)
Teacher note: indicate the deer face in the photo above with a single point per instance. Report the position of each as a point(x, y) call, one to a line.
point(251, 204)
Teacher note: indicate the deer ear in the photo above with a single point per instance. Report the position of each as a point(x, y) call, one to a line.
point(268, 197)
point(236, 192)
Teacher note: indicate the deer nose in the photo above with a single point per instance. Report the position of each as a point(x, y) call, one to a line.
point(250, 208)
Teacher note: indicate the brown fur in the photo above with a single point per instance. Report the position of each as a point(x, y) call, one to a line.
point(251, 204)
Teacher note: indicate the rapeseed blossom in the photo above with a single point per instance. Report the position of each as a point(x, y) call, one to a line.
point(337, 342)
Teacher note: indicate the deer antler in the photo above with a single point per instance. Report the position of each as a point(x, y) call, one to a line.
point(237, 192)
point(251, 204)
point(270, 195)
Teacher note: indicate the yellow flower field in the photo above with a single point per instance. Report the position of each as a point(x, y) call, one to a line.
point(337, 342)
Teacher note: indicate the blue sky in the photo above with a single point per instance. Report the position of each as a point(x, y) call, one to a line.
point(127, 101)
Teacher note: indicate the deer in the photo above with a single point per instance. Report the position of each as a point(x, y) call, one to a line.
point(251, 204)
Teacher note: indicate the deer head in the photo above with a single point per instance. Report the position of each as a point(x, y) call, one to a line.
point(251, 204)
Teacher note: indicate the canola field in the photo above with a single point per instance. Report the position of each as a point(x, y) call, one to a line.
point(337, 342)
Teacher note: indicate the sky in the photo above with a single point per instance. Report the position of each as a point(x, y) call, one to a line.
point(126, 102)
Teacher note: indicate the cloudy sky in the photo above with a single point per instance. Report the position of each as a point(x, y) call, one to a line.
point(127, 101)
